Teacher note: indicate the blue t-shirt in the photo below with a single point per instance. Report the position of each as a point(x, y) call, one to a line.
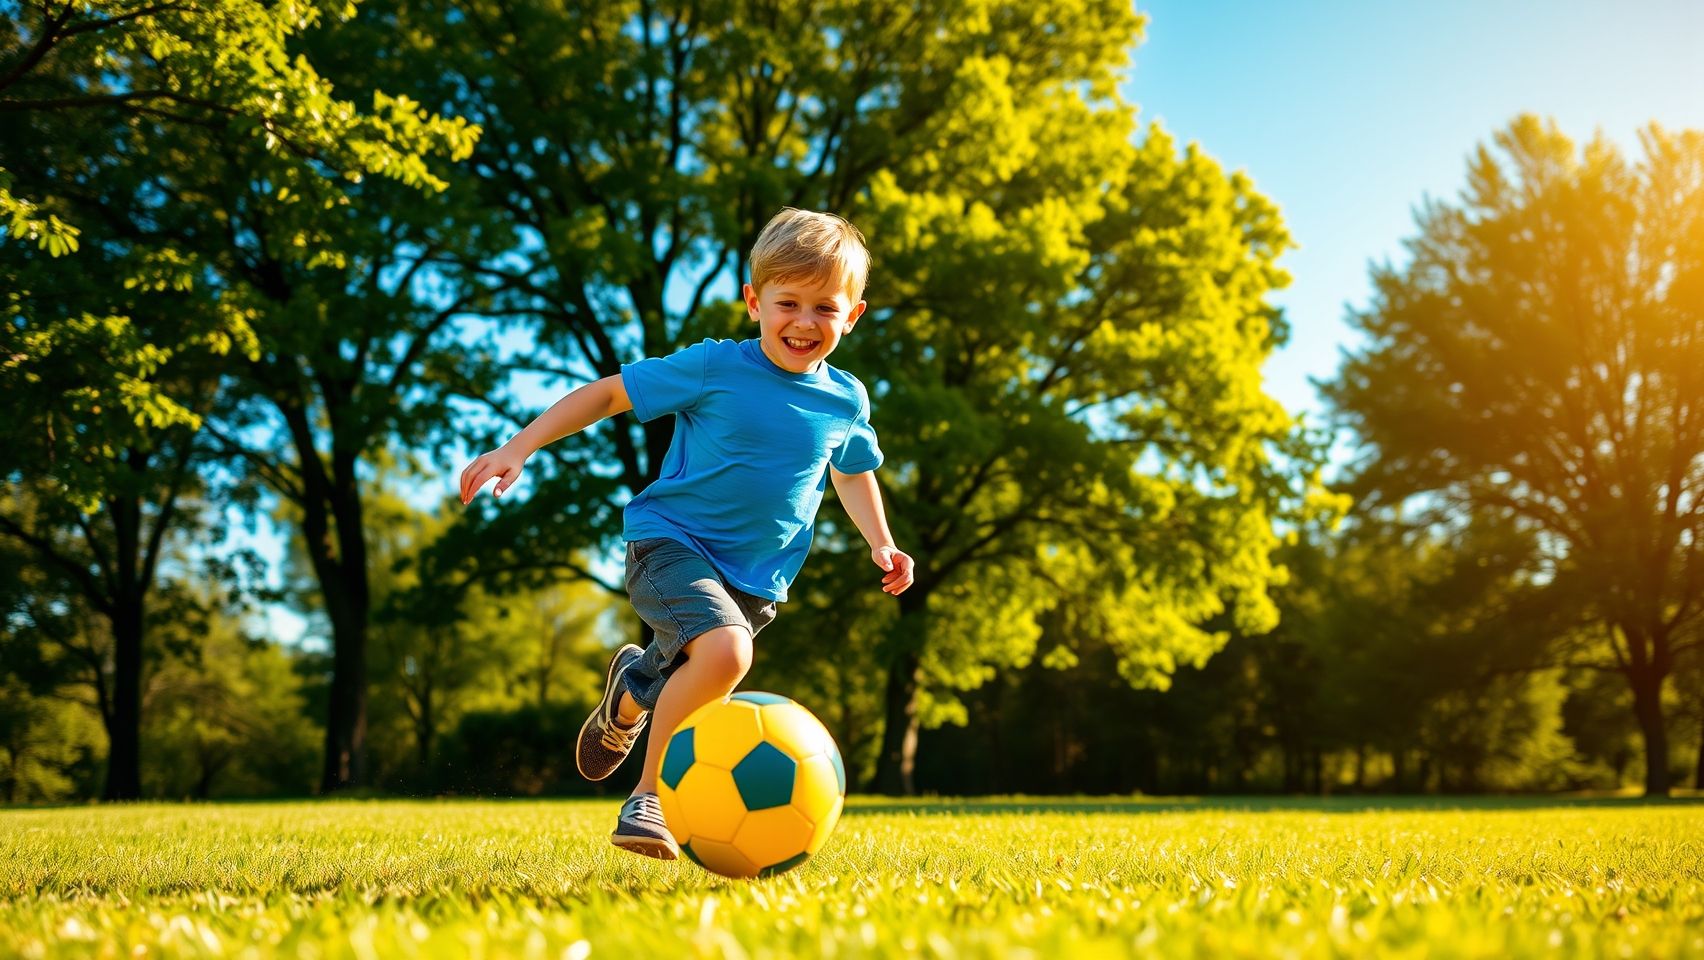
point(745, 474)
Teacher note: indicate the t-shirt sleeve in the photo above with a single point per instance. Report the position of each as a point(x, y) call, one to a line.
point(859, 452)
point(663, 385)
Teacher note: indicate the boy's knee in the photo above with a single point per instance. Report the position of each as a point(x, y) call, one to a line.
point(725, 650)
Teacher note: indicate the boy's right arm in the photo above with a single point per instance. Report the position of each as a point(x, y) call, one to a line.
point(569, 415)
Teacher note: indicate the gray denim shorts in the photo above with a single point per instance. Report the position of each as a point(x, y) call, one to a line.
point(680, 595)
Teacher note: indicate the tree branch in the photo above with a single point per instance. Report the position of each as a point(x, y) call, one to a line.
point(417, 346)
point(50, 35)
point(484, 574)
point(88, 26)
point(263, 466)
point(168, 506)
point(91, 587)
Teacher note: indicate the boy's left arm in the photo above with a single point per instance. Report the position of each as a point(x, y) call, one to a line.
point(863, 502)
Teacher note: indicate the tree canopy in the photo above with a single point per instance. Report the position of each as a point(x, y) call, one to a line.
point(1539, 356)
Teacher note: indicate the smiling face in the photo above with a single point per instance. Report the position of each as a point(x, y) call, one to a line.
point(812, 314)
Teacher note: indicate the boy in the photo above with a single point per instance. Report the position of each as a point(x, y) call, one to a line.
point(713, 544)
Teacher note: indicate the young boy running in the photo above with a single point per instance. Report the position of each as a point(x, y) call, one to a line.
point(761, 425)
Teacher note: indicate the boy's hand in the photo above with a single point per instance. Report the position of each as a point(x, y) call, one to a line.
point(898, 563)
point(504, 463)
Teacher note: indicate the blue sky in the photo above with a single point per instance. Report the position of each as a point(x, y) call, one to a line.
point(1347, 114)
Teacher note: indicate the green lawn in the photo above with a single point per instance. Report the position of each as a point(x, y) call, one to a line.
point(1003, 878)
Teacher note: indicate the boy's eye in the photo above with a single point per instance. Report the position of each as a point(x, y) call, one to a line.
point(826, 309)
point(785, 303)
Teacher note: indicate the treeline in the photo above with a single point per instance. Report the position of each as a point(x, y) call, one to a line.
point(305, 284)
point(1395, 668)
point(1405, 663)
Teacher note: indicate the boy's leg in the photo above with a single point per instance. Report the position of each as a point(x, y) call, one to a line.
point(700, 650)
point(606, 737)
point(636, 675)
point(714, 664)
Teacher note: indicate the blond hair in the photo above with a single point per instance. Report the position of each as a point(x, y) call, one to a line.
point(809, 246)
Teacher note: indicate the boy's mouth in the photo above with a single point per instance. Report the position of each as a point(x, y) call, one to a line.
point(798, 348)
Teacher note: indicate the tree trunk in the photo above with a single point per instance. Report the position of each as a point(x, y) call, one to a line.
point(210, 767)
point(346, 724)
point(899, 734)
point(1648, 708)
point(346, 720)
point(423, 729)
point(850, 730)
point(332, 509)
point(1698, 774)
point(124, 732)
point(124, 728)
point(1292, 756)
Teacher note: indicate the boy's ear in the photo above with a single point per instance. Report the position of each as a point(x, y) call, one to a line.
point(852, 318)
point(750, 300)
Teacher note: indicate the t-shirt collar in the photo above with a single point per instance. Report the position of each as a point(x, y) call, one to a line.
point(753, 349)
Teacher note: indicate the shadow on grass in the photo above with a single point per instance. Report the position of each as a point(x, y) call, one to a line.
point(865, 805)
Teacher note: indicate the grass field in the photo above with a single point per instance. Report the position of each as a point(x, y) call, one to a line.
point(1006, 878)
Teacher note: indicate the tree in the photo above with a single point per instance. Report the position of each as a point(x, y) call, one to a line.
point(638, 149)
point(1538, 357)
point(439, 651)
point(1090, 431)
point(172, 64)
point(47, 738)
point(214, 176)
point(110, 559)
point(1692, 680)
point(1424, 642)
point(635, 151)
point(224, 711)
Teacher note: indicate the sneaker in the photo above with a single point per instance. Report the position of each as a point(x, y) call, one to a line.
point(641, 829)
point(604, 741)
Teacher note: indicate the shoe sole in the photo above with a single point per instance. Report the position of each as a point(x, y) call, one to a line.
point(646, 846)
point(609, 680)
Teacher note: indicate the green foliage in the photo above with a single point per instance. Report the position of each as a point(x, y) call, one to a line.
point(139, 101)
point(106, 369)
point(440, 658)
point(50, 743)
point(210, 164)
point(1414, 639)
point(1399, 664)
point(441, 651)
point(218, 63)
point(1538, 358)
point(49, 747)
point(521, 751)
point(1065, 341)
point(18, 218)
point(642, 148)
point(224, 716)
point(1007, 877)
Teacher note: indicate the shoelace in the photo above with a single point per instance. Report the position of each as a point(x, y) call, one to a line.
point(644, 808)
point(619, 740)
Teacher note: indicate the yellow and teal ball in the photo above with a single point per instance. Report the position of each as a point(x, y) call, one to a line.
point(751, 786)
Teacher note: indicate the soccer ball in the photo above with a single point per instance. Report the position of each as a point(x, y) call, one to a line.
point(751, 786)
